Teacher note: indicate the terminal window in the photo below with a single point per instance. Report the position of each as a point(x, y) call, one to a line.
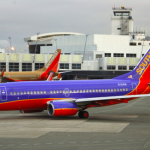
point(76, 66)
point(107, 54)
point(130, 55)
point(118, 55)
point(26, 66)
point(64, 65)
point(111, 67)
point(39, 66)
point(131, 67)
point(13, 66)
point(2, 66)
point(132, 44)
point(122, 67)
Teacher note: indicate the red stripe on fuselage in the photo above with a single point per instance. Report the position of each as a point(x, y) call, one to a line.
point(26, 104)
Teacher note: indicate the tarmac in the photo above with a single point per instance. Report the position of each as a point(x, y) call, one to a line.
point(118, 127)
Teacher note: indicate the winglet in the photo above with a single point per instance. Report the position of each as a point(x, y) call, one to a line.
point(50, 77)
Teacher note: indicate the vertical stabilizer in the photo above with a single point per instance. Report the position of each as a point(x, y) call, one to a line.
point(52, 64)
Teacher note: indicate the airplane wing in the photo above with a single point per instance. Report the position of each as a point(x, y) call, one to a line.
point(110, 98)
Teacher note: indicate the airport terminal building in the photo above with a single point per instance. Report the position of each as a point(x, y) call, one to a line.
point(88, 56)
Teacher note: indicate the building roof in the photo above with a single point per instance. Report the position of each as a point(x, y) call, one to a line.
point(49, 35)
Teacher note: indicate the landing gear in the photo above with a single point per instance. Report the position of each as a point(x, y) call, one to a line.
point(83, 114)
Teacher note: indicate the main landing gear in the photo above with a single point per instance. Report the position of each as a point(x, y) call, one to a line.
point(83, 114)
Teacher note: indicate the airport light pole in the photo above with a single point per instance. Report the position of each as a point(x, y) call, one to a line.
point(7, 49)
point(84, 48)
point(36, 42)
point(142, 48)
point(56, 43)
point(10, 42)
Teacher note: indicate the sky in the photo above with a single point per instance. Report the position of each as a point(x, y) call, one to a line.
point(24, 18)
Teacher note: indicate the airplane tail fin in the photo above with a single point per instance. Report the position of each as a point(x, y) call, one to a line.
point(52, 64)
point(141, 71)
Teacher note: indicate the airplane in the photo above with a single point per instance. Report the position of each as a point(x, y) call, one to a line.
point(66, 98)
point(38, 75)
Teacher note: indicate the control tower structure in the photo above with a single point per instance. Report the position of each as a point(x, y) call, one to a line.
point(122, 21)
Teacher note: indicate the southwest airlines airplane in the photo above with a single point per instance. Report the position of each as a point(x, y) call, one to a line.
point(66, 98)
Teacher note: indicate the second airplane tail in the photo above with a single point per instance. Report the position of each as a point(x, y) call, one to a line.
point(52, 64)
point(141, 71)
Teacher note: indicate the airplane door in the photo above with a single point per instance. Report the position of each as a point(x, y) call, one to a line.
point(133, 88)
point(67, 93)
point(3, 93)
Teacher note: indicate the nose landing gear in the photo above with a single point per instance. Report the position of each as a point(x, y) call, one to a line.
point(83, 114)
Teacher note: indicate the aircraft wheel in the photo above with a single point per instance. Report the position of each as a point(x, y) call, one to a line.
point(83, 114)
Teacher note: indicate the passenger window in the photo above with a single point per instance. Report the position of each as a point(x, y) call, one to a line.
point(41, 92)
point(126, 89)
point(99, 90)
point(17, 93)
point(57, 91)
point(54, 92)
point(93, 90)
point(114, 90)
point(24, 92)
point(14, 93)
point(31, 92)
point(74, 91)
point(90, 91)
point(111, 90)
point(51, 92)
point(44, 92)
point(21, 93)
point(83, 91)
point(28, 92)
point(60, 91)
point(34, 92)
point(123, 89)
point(108, 90)
point(63, 91)
point(120, 89)
point(87, 91)
point(80, 91)
point(96, 90)
point(102, 90)
point(10, 93)
point(105, 90)
point(38, 92)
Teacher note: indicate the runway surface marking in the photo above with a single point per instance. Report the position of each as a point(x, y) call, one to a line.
point(13, 127)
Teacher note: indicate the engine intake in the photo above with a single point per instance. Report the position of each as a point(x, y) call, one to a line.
point(61, 108)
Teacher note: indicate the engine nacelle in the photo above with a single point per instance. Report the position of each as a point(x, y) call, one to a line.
point(61, 108)
point(30, 111)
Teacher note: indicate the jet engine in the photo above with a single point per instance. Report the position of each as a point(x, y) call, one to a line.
point(61, 108)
